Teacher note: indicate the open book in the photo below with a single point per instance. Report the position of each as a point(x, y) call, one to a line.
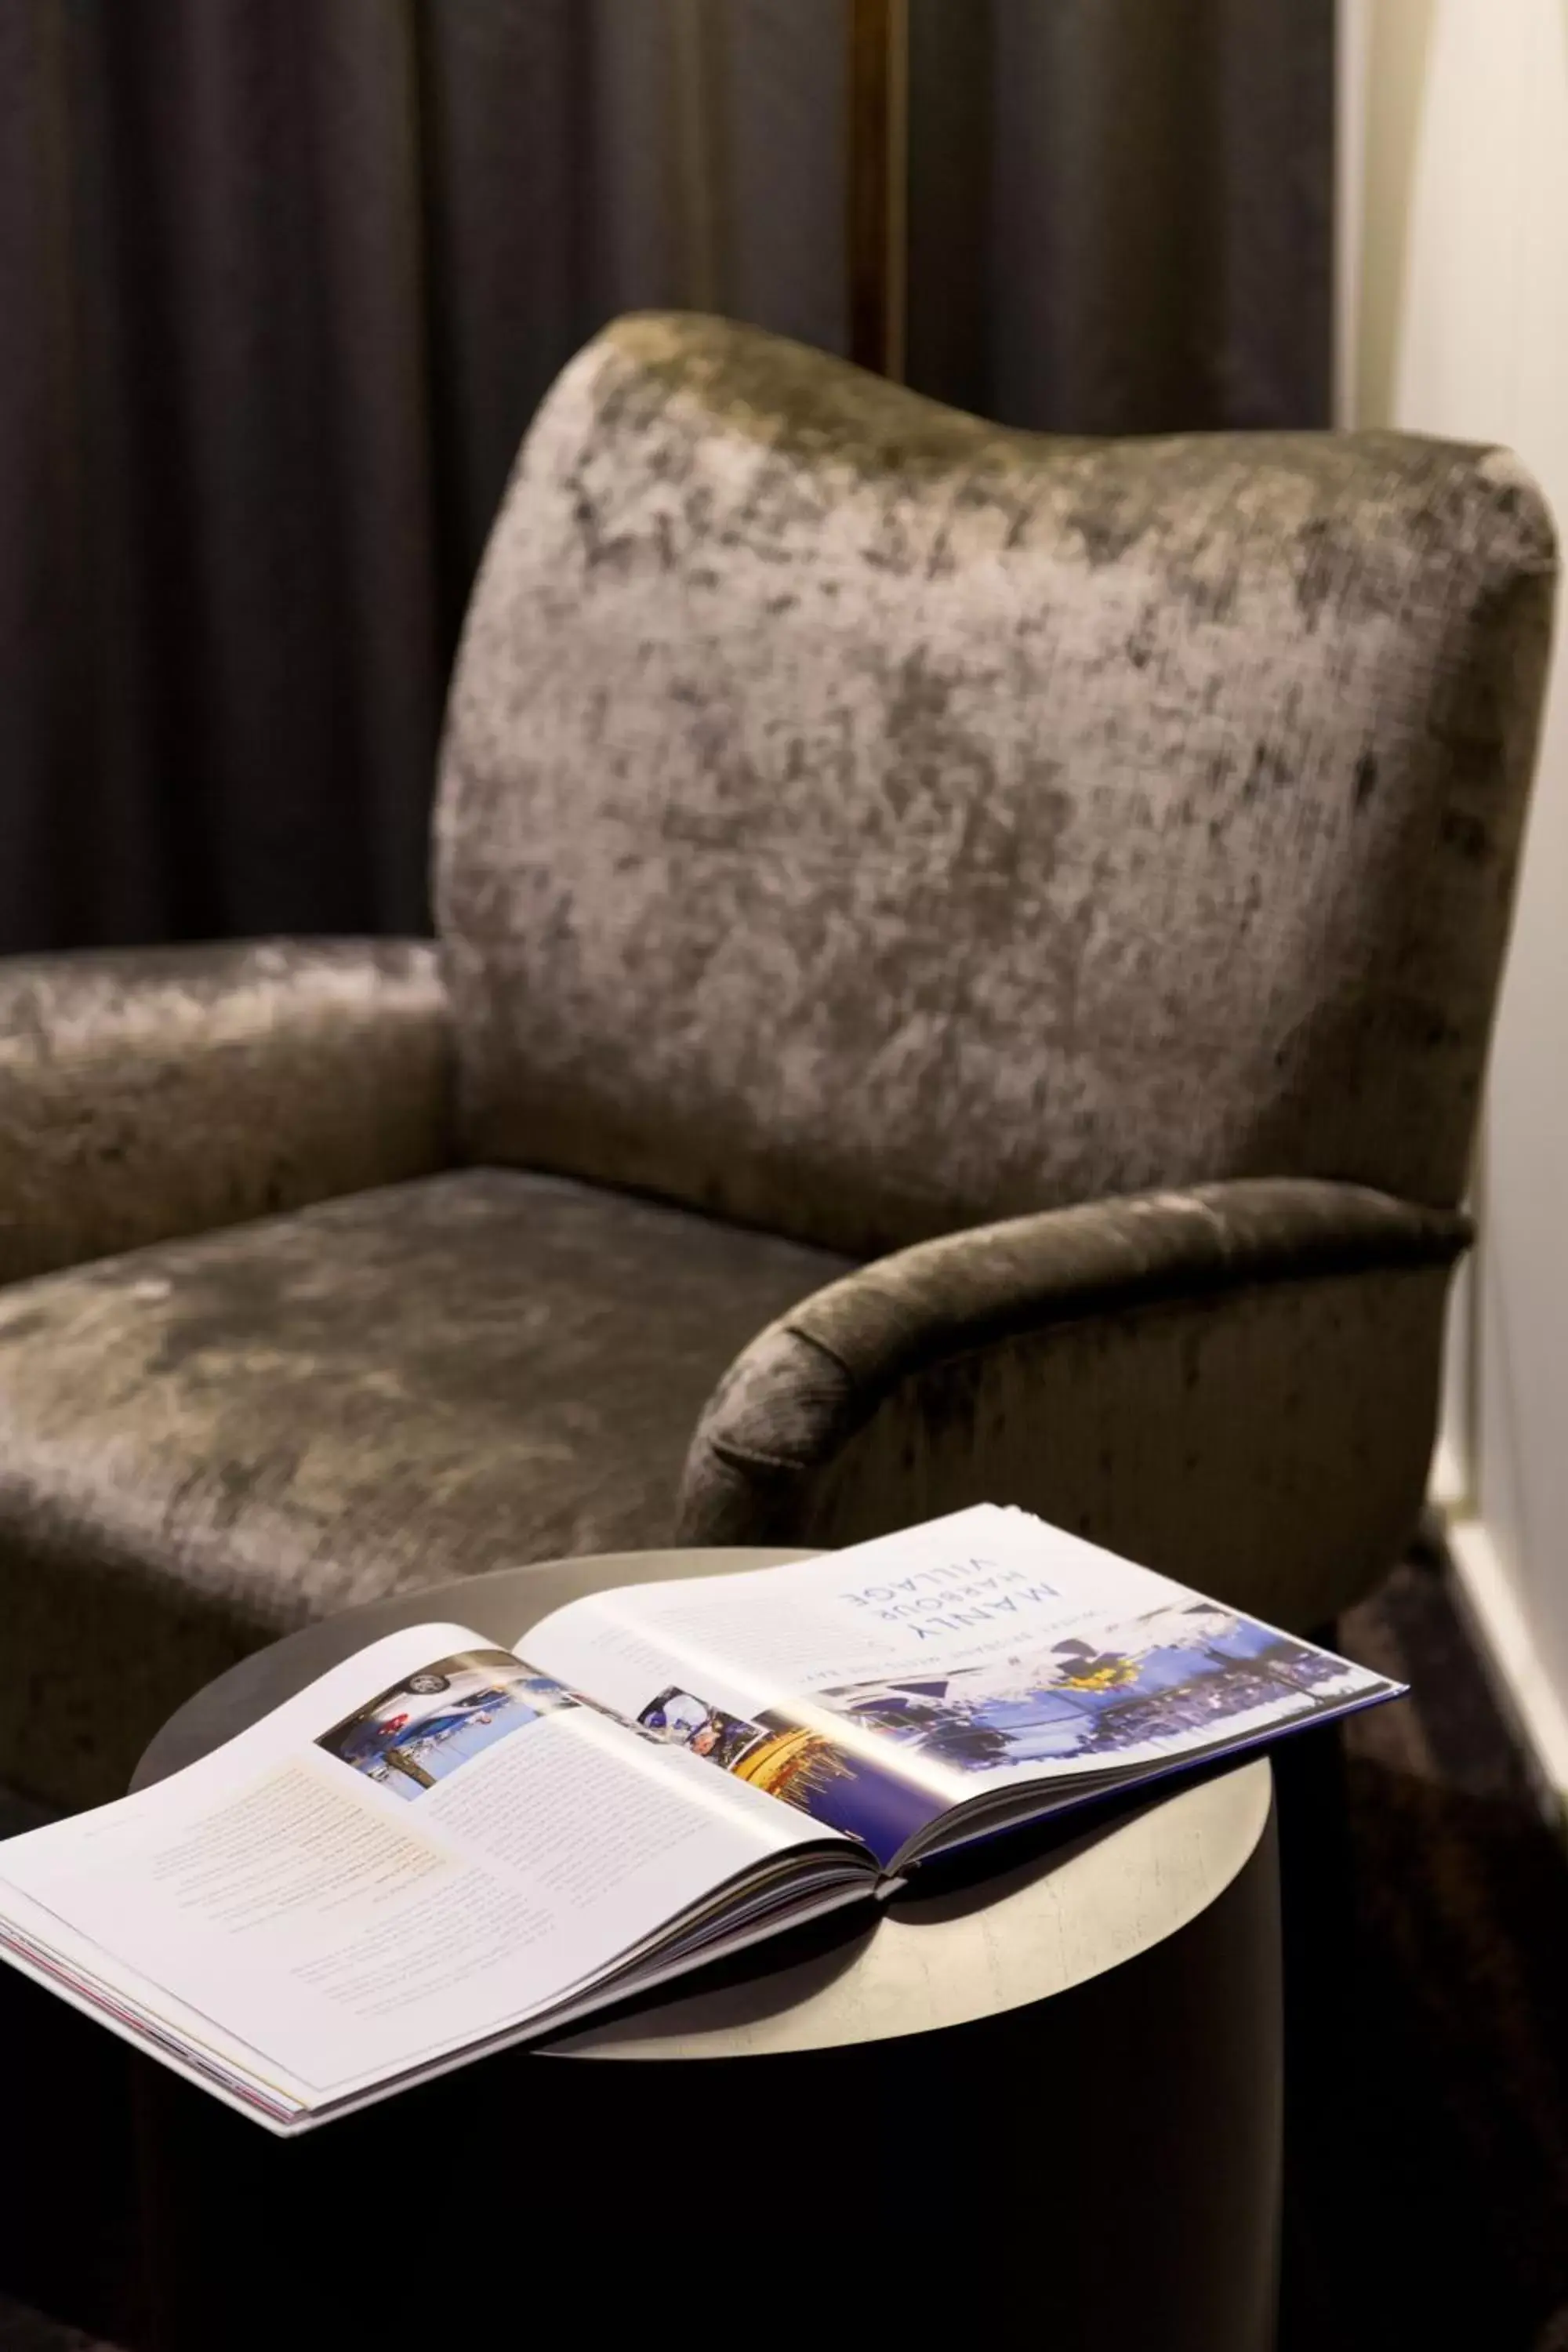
point(442, 1846)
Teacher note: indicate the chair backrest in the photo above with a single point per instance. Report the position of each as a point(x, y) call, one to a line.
point(863, 820)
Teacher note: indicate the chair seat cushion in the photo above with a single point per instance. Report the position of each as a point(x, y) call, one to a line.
point(208, 1442)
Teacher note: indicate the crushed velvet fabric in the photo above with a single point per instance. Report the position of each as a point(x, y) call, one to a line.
point(155, 1091)
point(863, 820)
point(205, 1442)
point(859, 824)
point(1236, 1385)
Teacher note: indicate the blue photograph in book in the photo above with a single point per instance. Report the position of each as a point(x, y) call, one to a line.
point(798, 1765)
point(1183, 1674)
point(424, 1727)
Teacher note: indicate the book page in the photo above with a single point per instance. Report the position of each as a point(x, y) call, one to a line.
point(934, 1666)
point(433, 1841)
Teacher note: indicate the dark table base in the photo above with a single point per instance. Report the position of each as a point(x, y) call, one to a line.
point(1101, 2169)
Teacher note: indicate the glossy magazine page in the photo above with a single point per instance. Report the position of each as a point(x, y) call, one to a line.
point(427, 1848)
point(881, 1687)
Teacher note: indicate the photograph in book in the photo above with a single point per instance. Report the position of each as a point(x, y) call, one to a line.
point(435, 1721)
point(1109, 1695)
point(801, 1767)
point(678, 1718)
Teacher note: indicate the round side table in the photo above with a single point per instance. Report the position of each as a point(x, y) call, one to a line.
point(1043, 2090)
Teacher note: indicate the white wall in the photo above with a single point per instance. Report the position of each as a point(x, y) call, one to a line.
point(1454, 286)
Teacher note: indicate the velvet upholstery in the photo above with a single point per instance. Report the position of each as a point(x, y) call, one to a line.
point(151, 1091)
point(205, 1442)
point(1235, 1384)
point(1078, 869)
point(863, 820)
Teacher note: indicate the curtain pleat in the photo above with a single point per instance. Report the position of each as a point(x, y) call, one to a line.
point(1120, 211)
point(283, 284)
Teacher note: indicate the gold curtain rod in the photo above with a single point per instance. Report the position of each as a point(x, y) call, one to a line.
point(877, 177)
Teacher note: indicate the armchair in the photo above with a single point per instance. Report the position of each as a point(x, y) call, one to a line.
point(991, 938)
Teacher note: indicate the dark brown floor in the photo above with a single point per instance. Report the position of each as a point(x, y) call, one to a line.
point(1427, 2202)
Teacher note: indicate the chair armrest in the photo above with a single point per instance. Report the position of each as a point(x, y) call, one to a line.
point(1236, 1385)
point(160, 1091)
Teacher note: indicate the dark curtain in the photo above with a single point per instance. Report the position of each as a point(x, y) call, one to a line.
point(281, 285)
point(1120, 211)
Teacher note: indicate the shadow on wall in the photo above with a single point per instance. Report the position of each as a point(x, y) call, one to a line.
point(1396, 57)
